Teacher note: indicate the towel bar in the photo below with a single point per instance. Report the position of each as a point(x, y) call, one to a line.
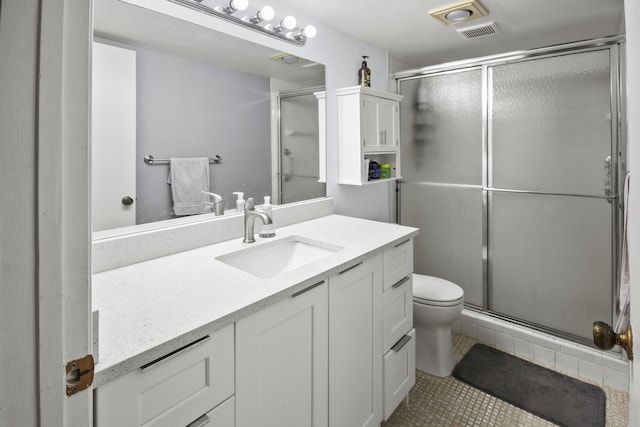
point(150, 160)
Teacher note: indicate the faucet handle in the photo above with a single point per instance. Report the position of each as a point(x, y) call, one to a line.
point(249, 205)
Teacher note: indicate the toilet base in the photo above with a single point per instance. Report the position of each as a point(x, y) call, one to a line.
point(434, 351)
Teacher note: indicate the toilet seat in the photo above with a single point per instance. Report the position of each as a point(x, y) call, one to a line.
point(435, 291)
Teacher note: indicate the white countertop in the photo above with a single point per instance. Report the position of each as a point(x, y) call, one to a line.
point(154, 307)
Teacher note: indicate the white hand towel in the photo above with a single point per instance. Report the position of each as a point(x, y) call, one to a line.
point(189, 177)
point(625, 281)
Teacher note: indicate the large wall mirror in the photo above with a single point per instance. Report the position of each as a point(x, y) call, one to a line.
point(164, 87)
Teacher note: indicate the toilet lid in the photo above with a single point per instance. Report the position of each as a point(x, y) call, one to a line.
point(429, 288)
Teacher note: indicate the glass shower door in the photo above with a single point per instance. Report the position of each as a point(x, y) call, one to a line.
point(441, 190)
point(550, 218)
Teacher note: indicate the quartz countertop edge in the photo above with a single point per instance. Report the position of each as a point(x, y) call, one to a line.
point(152, 308)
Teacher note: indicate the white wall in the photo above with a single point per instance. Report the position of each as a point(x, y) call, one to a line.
point(632, 24)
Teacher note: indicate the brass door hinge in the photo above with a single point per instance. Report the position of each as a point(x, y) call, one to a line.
point(79, 374)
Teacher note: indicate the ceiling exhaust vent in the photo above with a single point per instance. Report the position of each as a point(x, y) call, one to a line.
point(478, 31)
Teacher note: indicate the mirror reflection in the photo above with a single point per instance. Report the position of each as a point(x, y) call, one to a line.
point(166, 88)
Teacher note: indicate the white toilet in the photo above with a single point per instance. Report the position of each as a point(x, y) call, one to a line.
point(437, 303)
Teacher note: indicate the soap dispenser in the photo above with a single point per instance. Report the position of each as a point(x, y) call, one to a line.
point(240, 201)
point(267, 230)
point(364, 73)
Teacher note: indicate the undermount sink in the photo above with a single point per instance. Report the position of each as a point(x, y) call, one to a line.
point(278, 257)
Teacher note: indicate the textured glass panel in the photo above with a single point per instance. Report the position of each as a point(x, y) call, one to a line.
point(441, 128)
point(299, 149)
point(550, 123)
point(450, 241)
point(550, 260)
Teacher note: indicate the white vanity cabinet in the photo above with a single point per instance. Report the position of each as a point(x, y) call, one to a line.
point(174, 390)
point(355, 345)
point(281, 363)
point(398, 335)
point(368, 129)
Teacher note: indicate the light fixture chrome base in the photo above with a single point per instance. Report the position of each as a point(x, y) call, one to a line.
point(193, 4)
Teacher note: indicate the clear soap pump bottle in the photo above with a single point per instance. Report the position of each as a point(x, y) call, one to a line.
point(267, 230)
point(240, 201)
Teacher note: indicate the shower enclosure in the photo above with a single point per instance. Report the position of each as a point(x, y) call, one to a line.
point(511, 170)
point(297, 157)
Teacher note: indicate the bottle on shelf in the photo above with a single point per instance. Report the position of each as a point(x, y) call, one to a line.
point(364, 73)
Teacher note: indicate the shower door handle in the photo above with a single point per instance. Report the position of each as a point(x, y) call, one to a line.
point(607, 177)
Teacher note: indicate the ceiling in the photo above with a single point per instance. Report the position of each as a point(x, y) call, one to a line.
point(405, 29)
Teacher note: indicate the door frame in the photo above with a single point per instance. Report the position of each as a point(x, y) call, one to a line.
point(63, 206)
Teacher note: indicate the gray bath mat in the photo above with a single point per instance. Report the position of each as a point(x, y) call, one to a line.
point(548, 394)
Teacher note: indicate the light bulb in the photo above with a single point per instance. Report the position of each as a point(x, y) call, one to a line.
point(235, 5)
point(288, 23)
point(267, 13)
point(307, 32)
point(310, 31)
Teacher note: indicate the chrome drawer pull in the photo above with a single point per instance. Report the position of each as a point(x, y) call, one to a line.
point(401, 343)
point(400, 282)
point(300, 292)
point(350, 268)
point(402, 243)
point(156, 362)
point(200, 421)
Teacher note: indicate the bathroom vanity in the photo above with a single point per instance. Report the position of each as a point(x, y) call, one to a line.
point(228, 334)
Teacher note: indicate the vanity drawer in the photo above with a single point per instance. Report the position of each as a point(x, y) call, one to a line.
point(224, 415)
point(399, 372)
point(398, 263)
point(397, 311)
point(173, 390)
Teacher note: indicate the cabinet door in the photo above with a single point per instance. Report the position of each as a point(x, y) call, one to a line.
point(380, 124)
point(355, 345)
point(281, 363)
point(369, 118)
point(388, 124)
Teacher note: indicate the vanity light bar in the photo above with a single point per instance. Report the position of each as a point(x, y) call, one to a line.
point(297, 37)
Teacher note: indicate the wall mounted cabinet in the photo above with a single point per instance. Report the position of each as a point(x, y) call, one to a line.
point(368, 131)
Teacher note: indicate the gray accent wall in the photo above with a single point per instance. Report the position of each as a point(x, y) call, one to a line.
point(187, 108)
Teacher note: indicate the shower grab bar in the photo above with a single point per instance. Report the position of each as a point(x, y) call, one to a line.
point(150, 160)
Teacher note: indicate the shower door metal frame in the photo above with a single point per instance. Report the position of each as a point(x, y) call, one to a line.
point(618, 154)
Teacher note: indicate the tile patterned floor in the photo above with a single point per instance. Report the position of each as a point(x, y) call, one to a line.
point(443, 402)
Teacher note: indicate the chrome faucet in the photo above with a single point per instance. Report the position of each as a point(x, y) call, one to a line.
point(217, 205)
point(250, 215)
